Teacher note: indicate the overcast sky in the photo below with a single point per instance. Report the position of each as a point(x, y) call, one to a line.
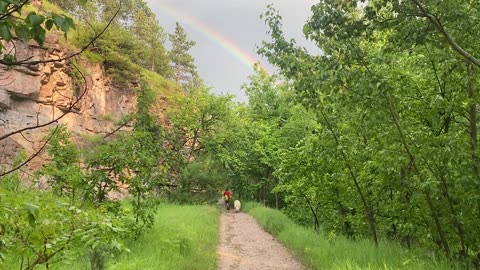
point(233, 23)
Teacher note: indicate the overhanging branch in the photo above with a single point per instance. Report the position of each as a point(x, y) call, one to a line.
point(438, 24)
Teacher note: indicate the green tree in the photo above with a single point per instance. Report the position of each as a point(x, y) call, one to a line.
point(147, 29)
point(198, 122)
point(64, 172)
point(393, 95)
point(182, 62)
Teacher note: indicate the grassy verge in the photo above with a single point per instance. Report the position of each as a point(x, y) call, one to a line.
point(184, 237)
point(319, 252)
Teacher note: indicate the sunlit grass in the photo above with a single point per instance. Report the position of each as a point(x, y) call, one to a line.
point(335, 252)
point(159, 84)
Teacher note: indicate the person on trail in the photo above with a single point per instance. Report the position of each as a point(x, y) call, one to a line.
point(226, 197)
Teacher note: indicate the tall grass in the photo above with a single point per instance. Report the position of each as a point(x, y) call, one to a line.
point(335, 252)
point(184, 237)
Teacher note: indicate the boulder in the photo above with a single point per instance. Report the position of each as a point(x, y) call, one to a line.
point(21, 85)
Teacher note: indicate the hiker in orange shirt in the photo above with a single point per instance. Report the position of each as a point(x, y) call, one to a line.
point(226, 197)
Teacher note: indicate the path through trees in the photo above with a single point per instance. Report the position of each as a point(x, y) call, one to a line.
point(244, 245)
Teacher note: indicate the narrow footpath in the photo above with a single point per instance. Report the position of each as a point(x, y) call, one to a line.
point(244, 245)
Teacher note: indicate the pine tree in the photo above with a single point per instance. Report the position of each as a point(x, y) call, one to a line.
point(148, 31)
point(182, 62)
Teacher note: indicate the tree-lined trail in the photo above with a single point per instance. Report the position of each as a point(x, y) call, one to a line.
point(246, 246)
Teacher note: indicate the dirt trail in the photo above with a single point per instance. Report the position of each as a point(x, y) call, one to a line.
point(246, 246)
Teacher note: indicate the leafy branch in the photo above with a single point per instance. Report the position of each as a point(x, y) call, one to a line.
point(441, 28)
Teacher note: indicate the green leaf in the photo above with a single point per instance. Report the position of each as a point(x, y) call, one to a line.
point(22, 32)
point(3, 7)
point(34, 19)
point(70, 23)
point(5, 33)
point(9, 58)
point(31, 208)
point(38, 34)
point(31, 220)
point(59, 22)
point(49, 24)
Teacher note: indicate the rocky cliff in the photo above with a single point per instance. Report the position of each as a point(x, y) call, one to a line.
point(36, 94)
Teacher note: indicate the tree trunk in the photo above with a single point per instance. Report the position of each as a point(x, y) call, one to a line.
point(194, 143)
point(369, 213)
point(456, 222)
point(178, 78)
point(153, 63)
point(137, 218)
point(316, 223)
point(276, 200)
point(472, 120)
point(426, 192)
point(472, 128)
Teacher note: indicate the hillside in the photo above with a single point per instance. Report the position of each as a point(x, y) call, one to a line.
point(77, 92)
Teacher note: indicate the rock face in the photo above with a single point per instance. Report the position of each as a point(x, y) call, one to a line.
point(4, 100)
point(21, 84)
point(36, 94)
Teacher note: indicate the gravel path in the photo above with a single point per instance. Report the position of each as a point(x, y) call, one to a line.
point(244, 245)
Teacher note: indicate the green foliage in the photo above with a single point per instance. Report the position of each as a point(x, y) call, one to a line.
point(197, 121)
point(199, 182)
point(116, 49)
point(77, 218)
point(184, 70)
point(63, 172)
point(376, 137)
point(140, 169)
point(39, 228)
point(258, 136)
point(160, 84)
point(31, 26)
point(134, 40)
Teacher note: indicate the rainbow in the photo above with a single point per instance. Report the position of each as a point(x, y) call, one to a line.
point(243, 56)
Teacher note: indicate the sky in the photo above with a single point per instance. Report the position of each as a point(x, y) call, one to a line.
point(227, 33)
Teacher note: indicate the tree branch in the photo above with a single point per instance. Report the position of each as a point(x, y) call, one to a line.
point(14, 9)
point(43, 125)
point(455, 46)
point(31, 157)
point(69, 109)
point(118, 128)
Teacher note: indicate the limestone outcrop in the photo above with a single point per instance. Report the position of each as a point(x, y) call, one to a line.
point(36, 94)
